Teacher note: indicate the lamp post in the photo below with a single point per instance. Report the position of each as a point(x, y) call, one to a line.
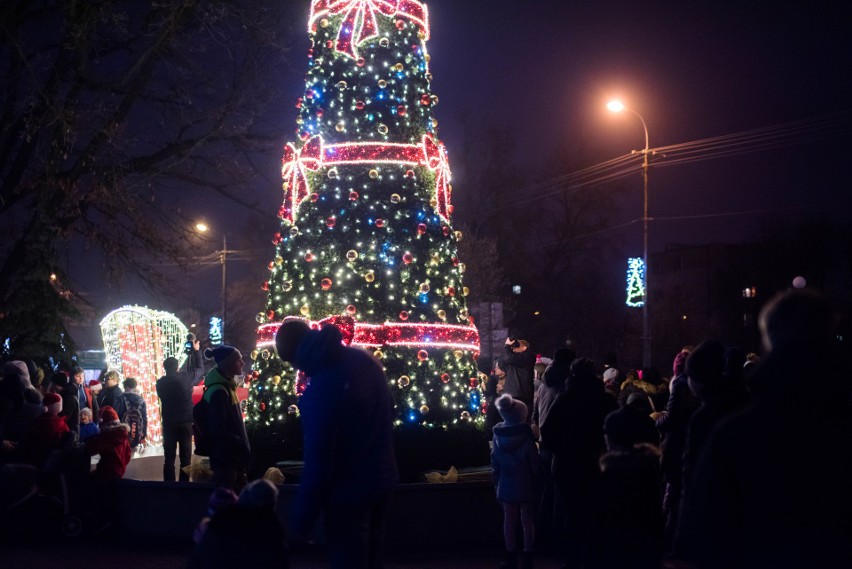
point(223, 259)
point(616, 106)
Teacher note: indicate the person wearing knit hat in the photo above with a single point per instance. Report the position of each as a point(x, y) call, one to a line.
point(229, 445)
point(112, 445)
point(516, 472)
point(17, 375)
point(47, 433)
point(88, 425)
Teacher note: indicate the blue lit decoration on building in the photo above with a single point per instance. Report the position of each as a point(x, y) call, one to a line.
point(216, 331)
point(635, 282)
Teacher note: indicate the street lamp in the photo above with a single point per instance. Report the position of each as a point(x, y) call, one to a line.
point(202, 227)
point(617, 106)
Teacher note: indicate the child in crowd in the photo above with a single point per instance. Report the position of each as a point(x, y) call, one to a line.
point(88, 428)
point(516, 474)
point(112, 446)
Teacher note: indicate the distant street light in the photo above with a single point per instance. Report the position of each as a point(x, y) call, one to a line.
point(202, 227)
point(617, 106)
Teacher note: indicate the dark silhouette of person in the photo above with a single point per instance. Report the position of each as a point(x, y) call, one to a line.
point(771, 488)
point(350, 468)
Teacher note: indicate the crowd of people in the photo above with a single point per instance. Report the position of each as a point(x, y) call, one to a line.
point(732, 461)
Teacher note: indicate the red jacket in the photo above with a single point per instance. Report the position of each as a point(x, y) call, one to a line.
point(46, 433)
point(111, 443)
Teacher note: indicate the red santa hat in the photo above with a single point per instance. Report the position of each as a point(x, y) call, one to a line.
point(108, 416)
point(52, 403)
point(95, 385)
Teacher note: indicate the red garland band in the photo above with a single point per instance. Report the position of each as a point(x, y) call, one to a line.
point(359, 21)
point(315, 155)
point(388, 334)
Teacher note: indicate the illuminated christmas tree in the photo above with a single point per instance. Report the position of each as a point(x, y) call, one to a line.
point(366, 241)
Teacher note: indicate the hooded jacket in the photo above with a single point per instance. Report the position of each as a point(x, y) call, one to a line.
point(229, 445)
point(552, 384)
point(347, 419)
point(113, 447)
point(515, 465)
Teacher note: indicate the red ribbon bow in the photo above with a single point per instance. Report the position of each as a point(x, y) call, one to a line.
point(360, 23)
point(436, 160)
point(295, 163)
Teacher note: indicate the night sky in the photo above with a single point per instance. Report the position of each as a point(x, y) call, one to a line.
point(693, 70)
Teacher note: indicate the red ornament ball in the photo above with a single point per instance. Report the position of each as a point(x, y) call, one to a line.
point(326, 283)
point(265, 286)
point(474, 382)
point(271, 265)
point(329, 44)
point(422, 355)
point(262, 406)
point(451, 290)
point(314, 197)
point(446, 230)
point(425, 100)
point(360, 62)
point(400, 25)
point(331, 222)
point(409, 173)
point(407, 258)
point(445, 378)
point(270, 315)
point(403, 315)
point(421, 228)
point(309, 257)
point(299, 103)
point(276, 239)
point(380, 223)
point(401, 110)
point(360, 105)
point(320, 113)
point(353, 195)
point(351, 309)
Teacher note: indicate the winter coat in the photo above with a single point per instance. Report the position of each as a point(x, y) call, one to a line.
point(175, 393)
point(520, 376)
point(113, 397)
point(628, 517)
point(771, 487)
point(347, 419)
point(87, 398)
point(229, 445)
point(516, 469)
point(70, 408)
point(552, 385)
point(136, 401)
point(112, 445)
point(47, 434)
point(88, 430)
point(673, 425)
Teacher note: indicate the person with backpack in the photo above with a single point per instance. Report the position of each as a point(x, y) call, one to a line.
point(136, 415)
point(219, 420)
point(175, 392)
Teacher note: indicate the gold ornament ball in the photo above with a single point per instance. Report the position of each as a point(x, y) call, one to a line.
point(340, 127)
point(370, 276)
point(459, 235)
point(395, 198)
point(305, 310)
point(433, 202)
point(253, 354)
point(293, 410)
point(332, 173)
point(324, 23)
point(403, 381)
point(342, 85)
point(384, 42)
point(383, 129)
point(264, 354)
point(424, 288)
point(261, 317)
point(276, 379)
point(287, 286)
point(399, 67)
point(382, 83)
point(458, 354)
point(374, 174)
point(462, 267)
point(465, 416)
point(424, 409)
point(434, 123)
point(351, 255)
point(279, 260)
point(465, 292)
point(442, 314)
point(421, 35)
point(379, 354)
point(294, 231)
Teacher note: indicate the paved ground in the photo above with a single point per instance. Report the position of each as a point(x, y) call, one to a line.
point(109, 552)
